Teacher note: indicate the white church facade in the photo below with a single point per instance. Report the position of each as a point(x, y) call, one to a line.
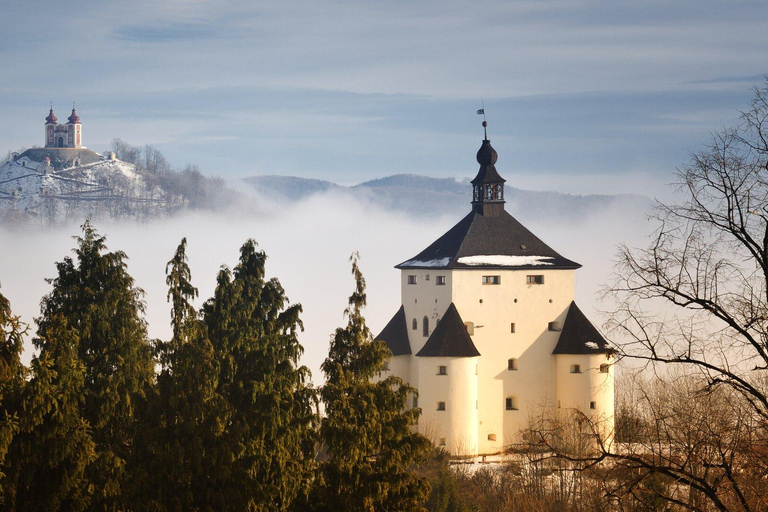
point(489, 333)
point(69, 135)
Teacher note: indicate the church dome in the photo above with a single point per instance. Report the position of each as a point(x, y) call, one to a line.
point(74, 118)
point(51, 117)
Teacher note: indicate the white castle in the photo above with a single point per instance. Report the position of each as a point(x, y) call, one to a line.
point(488, 331)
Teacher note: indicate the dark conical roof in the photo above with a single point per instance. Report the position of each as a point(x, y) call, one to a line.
point(579, 336)
point(450, 338)
point(395, 334)
point(478, 241)
point(51, 117)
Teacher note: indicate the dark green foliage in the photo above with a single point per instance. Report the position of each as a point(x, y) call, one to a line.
point(51, 454)
point(367, 428)
point(12, 374)
point(265, 456)
point(175, 448)
point(98, 300)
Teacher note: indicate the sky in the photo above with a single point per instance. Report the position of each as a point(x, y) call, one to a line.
point(581, 95)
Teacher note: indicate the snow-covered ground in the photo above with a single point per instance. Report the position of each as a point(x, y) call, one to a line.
point(108, 188)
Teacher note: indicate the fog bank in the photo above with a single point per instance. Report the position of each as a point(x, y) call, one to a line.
point(308, 246)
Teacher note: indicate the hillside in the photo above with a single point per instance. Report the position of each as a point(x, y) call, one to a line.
point(426, 196)
point(33, 193)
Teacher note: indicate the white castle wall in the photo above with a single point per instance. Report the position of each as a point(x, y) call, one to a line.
point(530, 307)
point(455, 427)
point(491, 309)
point(587, 388)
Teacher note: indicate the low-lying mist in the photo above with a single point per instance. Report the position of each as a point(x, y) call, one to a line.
point(308, 245)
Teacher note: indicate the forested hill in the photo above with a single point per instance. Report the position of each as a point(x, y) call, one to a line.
point(426, 196)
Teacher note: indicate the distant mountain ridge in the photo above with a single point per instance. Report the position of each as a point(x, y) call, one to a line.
point(423, 195)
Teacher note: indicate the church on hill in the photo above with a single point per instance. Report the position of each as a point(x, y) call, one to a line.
point(63, 145)
point(67, 135)
point(489, 333)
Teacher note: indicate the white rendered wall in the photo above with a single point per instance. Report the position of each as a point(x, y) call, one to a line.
point(532, 385)
point(530, 307)
point(425, 298)
point(577, 390)
point(458, 390)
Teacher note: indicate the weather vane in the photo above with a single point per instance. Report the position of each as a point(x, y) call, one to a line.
point(485, 123)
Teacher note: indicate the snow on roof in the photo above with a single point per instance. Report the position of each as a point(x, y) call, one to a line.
point(442, 262)
point(592, 344)
point(506, 261)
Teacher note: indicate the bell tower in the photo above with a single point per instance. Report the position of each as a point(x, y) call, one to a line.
point(50, 128)
point(488, 186)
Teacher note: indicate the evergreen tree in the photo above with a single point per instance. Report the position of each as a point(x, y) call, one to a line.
point(266, 454)
point(367, 427)
point(176, 443)
point(12, 378)
point(50, 455)
point(97, 298)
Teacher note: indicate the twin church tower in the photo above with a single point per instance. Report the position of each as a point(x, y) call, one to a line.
point(489, 333)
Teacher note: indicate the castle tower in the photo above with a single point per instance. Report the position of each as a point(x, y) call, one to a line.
point(488, 331)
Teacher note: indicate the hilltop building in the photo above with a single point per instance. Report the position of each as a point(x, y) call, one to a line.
point(63, 145)
point(489, 333)
point(63, 135)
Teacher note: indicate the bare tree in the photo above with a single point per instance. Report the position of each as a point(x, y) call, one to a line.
point(692, 312)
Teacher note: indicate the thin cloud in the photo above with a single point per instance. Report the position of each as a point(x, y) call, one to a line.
point(167, 32)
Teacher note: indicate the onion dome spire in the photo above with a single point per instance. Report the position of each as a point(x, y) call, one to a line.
point(488, 186)
point(51, 119)
point(74, 118)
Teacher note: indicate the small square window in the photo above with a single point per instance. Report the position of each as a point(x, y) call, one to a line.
point(491, 437)
point(440, 406)
point(426, 278)
point(511, 403)
point(442, 370)
point(592, 405)
point(411, 279)
point(470, 328)
point(554, 326)
point(491, 279)
point(512, 364)
point(605, 368)
point(575, 368)
point(440, 280)
point(512, 327)
point(538, 279)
